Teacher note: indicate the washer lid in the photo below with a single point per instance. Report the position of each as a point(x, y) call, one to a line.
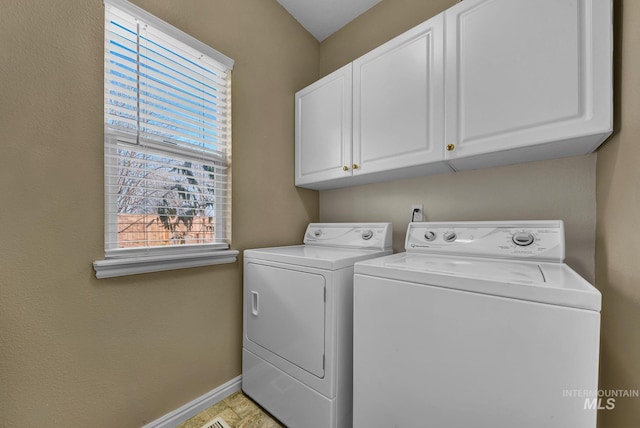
point(552, 283)
point(474, 268)
point(330, 258)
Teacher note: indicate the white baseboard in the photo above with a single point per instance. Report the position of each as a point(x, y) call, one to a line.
point(176, 417)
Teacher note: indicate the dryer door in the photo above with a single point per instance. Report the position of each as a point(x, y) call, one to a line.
point(286, 314)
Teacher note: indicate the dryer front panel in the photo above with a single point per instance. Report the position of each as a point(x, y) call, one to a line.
point(285, 314)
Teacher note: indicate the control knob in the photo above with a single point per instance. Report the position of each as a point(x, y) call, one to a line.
point(367, 234)
point(522, 239)
point(429, 235)
point(449, 236)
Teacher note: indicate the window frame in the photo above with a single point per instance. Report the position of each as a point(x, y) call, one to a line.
point(128, 261)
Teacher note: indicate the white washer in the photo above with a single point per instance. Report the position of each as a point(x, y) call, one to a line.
point(297, 333)
point(478, 324)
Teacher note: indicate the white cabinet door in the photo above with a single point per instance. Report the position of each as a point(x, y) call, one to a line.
point(522, 73)
point(398, 102)
point(323, 128)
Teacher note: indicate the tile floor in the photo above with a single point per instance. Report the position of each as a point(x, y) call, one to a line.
point(237, 410)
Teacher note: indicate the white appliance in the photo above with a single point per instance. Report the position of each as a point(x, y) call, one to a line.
point(478, 324)
point(297, 333)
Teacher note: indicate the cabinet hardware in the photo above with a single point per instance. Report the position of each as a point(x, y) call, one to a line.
point(345, 168)
point(355, 166)
point(450, 147)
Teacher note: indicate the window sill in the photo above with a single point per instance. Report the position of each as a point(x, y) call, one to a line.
point(122, 266)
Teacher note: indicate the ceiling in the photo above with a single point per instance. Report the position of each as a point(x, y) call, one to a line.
point(322, 18)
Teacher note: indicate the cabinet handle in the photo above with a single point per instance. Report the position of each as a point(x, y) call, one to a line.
point(345, 168)
point(450, 147)
point(355, 166)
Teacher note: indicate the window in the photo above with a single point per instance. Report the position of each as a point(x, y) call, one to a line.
point(167, 110)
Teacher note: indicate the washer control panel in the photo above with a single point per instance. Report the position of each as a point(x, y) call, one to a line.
point(349, 235)
point(535, 240)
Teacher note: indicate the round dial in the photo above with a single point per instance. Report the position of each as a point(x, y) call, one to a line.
point(523, 239)
point(317, 233)
point(367, 234)
point(449, 236)
point(429, 235)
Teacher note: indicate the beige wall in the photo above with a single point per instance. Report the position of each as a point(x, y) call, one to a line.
point(618, 226)
point(80, 352)
point(379, 24)
point(76, 352)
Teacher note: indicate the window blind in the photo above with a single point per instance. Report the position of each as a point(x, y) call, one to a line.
point(167, 136)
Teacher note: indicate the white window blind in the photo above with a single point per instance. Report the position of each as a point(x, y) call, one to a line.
point(167, 137)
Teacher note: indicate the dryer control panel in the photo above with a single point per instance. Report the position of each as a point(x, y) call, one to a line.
point(349, 235)
point(533, 240)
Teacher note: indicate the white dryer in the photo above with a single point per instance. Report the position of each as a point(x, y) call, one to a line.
point(477, 325)
point(297, 330)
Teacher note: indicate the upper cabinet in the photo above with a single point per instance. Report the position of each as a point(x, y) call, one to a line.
point(388, 125)
point(485, 83)
point(526, 80)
